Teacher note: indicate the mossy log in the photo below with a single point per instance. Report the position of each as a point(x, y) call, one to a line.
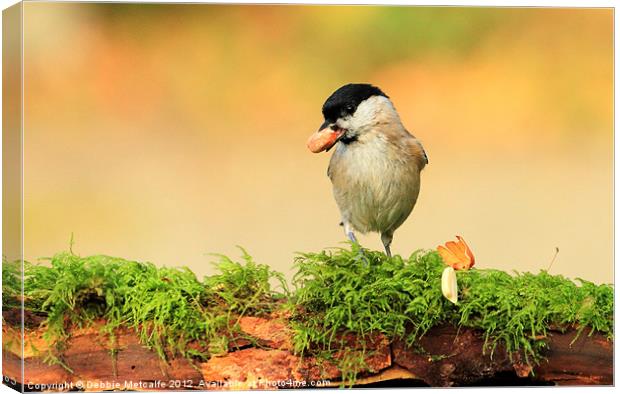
point(263, 359)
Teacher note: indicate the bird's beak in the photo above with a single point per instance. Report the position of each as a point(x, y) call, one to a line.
point(325, 138)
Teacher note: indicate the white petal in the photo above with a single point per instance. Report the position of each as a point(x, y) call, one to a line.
point(448, 284)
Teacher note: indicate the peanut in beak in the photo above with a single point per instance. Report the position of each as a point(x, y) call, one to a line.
point(323, 140)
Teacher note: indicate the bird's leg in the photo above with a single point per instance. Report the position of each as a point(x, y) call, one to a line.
point(348, 230)
point(386, 238)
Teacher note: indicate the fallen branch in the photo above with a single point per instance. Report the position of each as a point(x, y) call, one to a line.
point(445, 356)
point(162, 328)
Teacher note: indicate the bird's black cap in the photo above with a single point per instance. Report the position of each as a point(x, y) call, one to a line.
point(345, 100)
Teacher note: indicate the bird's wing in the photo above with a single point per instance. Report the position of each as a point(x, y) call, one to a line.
point(406, 143)
point(423, 152)
point(416, 149)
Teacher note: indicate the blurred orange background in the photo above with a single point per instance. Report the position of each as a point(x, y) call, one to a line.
point(169, 132)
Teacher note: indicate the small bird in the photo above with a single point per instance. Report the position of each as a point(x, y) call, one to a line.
point(375, 168)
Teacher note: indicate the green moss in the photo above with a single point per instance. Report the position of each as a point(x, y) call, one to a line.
point(11, 284)
point(337, 292)
point(341, 291)
point(172, 311)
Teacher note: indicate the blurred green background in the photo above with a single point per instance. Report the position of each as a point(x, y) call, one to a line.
point(168, 132)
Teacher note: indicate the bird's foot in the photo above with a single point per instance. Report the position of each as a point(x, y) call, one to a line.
point(386, 238)
point(361, 256)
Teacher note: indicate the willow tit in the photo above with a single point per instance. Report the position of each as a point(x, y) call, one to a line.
point(376, 164)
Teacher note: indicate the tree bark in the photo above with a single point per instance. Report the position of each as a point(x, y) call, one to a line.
point(445, 356)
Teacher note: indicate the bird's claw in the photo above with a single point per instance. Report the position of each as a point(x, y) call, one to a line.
point(361, 256)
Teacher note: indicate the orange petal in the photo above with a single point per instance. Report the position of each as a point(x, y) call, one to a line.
point(457, 254)
point(454, 248)
point(448, 257)
point(468, 251)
